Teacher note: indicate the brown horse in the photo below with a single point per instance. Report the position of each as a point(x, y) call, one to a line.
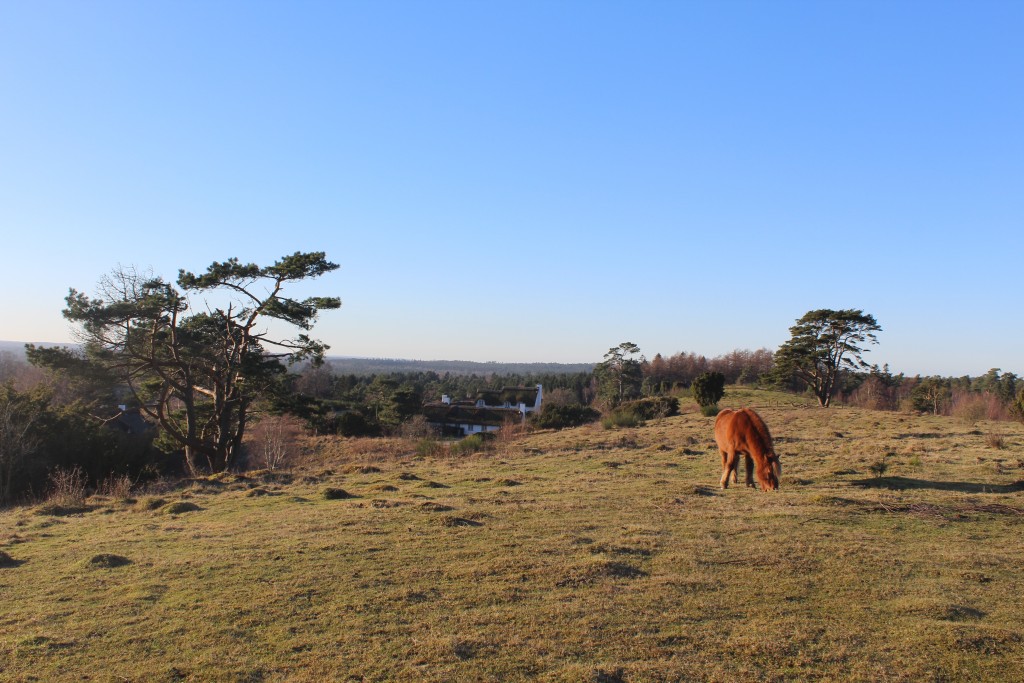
point(743, 431)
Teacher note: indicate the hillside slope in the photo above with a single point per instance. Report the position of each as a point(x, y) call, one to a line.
point(583, 555)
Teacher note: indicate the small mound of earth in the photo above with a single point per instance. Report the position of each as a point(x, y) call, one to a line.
point(509, 482)
point(180, 507)
point(408, 476)
point(107, 561)
point(435, 485)
point(54, 510)
point(336, 494)
point(436, 507)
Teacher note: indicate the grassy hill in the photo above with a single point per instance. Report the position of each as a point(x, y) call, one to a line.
point(583, 555)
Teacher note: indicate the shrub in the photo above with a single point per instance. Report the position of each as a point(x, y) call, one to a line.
point(971, 406)
point(996, 441)
point(469, 445)
point(709, 411)
point(622, 417)
point(562, 417)
point(273, 442)
point(635, 413)
point(67, 487)
point(1017, 408)
point(417, 427)
point(879, 468)
point(352, 423)
point(653, 407)
point(428, 447)
point(116, 487)
point(708, 388)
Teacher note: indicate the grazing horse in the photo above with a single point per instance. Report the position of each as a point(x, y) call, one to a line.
point(743, 431)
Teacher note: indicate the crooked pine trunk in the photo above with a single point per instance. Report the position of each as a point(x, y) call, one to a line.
point(192, 461)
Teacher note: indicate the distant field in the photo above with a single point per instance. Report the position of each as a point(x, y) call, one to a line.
point(583, 555)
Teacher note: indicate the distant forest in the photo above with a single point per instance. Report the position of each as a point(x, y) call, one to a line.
point(378, 366)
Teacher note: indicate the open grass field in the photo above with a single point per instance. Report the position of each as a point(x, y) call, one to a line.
point(582, 555)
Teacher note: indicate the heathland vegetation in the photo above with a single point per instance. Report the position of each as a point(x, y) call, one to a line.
point(891, 552)
point(185, 498)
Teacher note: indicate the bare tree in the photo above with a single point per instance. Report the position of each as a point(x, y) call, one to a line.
point(275, 441)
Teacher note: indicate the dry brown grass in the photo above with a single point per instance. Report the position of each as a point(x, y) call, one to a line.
point(581, 555)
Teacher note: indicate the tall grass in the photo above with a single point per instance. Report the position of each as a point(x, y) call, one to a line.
point(67, 487)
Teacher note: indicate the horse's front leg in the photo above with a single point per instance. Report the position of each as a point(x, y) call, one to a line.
point(750, 469)
point(729, 464)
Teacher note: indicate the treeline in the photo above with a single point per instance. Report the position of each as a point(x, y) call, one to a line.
point(663, 375)
point(993, 396)
point(362, 367)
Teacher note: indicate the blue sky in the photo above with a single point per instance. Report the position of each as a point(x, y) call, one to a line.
point(533, 181)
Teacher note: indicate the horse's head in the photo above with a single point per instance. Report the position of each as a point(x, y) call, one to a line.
point(772, 473)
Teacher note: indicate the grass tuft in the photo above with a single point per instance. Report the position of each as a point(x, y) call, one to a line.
point(180, 507)
point(107, 561)
point(332, 493)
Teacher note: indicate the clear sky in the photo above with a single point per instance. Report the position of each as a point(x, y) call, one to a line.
point(533, 181)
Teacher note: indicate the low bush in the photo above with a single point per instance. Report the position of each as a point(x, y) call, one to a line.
point(971, 406)
point(655, 407)
point(621, 417)
point(563, 417)
point(996, 441)
point(636, 413)
point(117, 487)
point(469, 445)
point(708, 388)
point(428, 447)
point(67, 487)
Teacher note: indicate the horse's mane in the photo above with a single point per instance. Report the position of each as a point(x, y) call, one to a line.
point(762, 431)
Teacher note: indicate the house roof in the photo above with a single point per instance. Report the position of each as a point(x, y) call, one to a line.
point(512, 395)
point(439, 412)
point(130, 421)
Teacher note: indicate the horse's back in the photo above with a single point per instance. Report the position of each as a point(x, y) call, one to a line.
point(758, 426)
point(741, 430)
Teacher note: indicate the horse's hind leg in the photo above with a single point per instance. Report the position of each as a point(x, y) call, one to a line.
point(750, 469)
point(729, 463)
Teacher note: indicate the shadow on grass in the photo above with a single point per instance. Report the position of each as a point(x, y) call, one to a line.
point(902, 483)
